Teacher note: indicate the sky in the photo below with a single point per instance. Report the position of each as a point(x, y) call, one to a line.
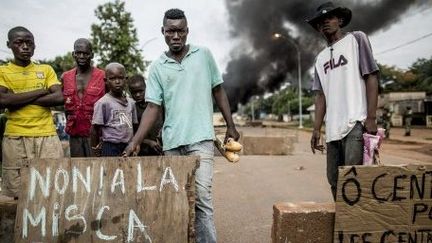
point(57, 24)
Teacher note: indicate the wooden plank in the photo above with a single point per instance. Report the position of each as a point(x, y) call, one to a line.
point(143, 199)
point(384, 204)
point(8, 208)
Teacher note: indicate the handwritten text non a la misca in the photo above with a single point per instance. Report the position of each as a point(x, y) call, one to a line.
point(62, 179)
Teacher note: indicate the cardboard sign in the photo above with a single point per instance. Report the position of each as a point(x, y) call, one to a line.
point(144, 199)
point(384, 204)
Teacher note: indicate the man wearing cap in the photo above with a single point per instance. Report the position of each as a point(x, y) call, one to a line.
point(346, 90)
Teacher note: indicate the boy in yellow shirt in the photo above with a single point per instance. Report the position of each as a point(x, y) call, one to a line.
point(27, 91)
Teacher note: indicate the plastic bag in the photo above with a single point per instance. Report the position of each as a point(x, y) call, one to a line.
point(372, 144)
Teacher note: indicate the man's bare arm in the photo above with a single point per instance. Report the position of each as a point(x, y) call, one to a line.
point(13, 101)
point(372, 100)
point(320, 111)
point(54, 98)
point(95, 135)
point(148, 119)
point(223, 105)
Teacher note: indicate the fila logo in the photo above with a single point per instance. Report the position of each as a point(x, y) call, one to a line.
point(332, 64)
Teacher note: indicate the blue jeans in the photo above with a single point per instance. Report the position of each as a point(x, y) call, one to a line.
point(347, 151)
point(204, 221)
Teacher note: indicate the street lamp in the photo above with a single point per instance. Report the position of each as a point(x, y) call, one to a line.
point(253, 110)
point(280, 36)
point(253, 99)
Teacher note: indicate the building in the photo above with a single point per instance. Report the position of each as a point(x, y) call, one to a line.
point(397, 102)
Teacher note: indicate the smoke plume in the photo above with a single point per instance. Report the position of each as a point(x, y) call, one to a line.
point(262, 63)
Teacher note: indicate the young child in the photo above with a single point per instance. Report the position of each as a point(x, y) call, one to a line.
point(152, 144)
point(114, 115)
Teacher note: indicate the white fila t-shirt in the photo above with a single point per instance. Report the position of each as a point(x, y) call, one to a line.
point(339, 72)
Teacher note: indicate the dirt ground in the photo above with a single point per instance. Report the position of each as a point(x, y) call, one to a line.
point(417, 147)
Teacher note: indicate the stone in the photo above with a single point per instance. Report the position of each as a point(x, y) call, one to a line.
point(303, 222)
point(268, 145)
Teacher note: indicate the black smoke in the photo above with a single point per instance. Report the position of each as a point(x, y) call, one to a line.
point(262, 63)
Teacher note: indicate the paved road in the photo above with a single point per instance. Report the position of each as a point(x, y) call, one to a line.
point(244, 193)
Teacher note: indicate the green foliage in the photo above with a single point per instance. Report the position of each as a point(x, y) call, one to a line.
point(266, 104)
point(5, 61)
point(395, 79)
point(287, 101)
point(60, 64)
point(259, 105)
point(280, 103)
point(115, 39)
point(417, 78)
point(422, 69)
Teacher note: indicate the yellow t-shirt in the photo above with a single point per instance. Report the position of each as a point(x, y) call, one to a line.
point(30, 120)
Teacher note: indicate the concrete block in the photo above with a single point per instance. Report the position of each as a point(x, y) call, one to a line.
point(257, 145)
point(254, 123)
point(263, 141)
point(303, 222)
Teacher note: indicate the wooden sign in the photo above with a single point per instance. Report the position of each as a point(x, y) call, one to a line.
point(384, 204)
point(142, 199)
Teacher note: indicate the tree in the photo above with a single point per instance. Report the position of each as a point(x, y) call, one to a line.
point(417, 78)
point(422, 69)
point(287, 101)
point(279, 103)
point(115, 39)
point(5, 61)
point(283, 102)
point(61, 64)
point(393, 79)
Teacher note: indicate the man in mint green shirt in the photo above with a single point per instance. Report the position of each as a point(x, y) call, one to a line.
point(185, 89)
point(183, 80)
